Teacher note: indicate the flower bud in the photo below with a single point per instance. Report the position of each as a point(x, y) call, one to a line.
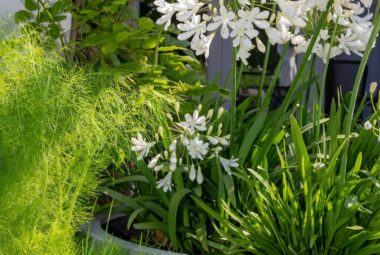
point(161, 131)
point(173, 145)
point(220, 127)
point(199, 107)
point(177, 107)
point(367, 125)
point(220, 112)
point(329, 17)
point(209, 130)
point(157, 137)
point(372, 87)
point(169, 117)
point(272, 17)
point(260, 45)
point(210, 113)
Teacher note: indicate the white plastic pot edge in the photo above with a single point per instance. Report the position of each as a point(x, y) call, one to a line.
point(98, 234)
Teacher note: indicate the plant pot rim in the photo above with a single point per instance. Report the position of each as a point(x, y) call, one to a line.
point(99, 235)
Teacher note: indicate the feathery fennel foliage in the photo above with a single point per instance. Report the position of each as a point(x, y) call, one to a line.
point(59, 127)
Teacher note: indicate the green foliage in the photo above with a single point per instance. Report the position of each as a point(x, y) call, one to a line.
point(108, 33)
point(298, 203)
point(60, 126)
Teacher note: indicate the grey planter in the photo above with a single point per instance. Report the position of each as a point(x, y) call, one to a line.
point(98, 236)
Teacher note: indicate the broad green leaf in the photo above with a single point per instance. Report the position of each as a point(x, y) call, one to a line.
point(251, 135)
point(145, 24)
point(358, 164)
point(31, 5)
point(110, 47)
point(133, 215)
point(132, 178)
point(156, 225)
point(120, 197)
point(172, 214)
point(22, 16)
point(230, 188)
point(367, 250)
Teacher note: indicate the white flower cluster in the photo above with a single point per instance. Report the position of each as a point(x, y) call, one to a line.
point(196, 142)
point(291, 20)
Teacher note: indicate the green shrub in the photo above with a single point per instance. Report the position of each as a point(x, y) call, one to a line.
point(59, 127)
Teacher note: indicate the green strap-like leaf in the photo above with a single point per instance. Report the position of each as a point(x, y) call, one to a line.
point(172, 214)
point(251, 135)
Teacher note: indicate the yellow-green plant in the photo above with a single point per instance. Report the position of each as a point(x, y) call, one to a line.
point(60, 126)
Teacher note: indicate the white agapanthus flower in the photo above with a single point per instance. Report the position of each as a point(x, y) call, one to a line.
point(229, 163)
point(194, 143)
point(141, 146)
point(292, 20)
point(255, 17)
point(166, 182)
point(194, 122)
point(153, 162)
point(187, 9)
point(224, 19)
point(168, 10)
point(194, 28)
point(197, 148)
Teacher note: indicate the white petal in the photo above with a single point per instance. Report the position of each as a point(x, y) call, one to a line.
point(192, 173)
point(199, 176)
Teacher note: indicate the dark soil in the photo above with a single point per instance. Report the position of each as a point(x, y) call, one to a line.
point(118, 228)
point(154, 239)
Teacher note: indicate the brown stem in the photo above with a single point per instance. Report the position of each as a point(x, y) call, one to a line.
point(74, 24)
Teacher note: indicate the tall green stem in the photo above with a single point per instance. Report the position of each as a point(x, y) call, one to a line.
point(233, 100)
point(324, 76)
point(263, 74)
point(155, 63)
point(355, 91)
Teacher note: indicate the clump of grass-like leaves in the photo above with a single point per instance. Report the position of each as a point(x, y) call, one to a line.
point(59, 127)
point(306, 205)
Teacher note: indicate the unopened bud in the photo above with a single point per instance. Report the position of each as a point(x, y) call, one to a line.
point(372, 87)
point(220, 127)
point(367, 125)
point(161, 131)
point(220, 112)
point(272, 17)
point(329, 17)
point(210, 113)
point(199, 107)
point(177, 107)
point(169, 117)
point(210, 130)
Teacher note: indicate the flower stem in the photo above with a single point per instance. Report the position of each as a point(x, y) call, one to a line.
point(233, 101)
point(263, 74)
